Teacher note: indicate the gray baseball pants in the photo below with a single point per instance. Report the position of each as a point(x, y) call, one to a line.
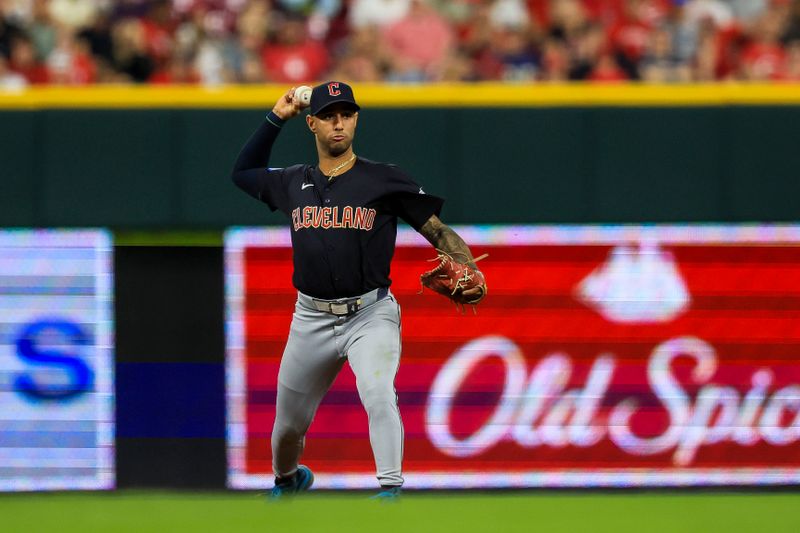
point(319, 342)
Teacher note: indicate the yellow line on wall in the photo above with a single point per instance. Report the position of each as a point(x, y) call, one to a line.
point(393, 96)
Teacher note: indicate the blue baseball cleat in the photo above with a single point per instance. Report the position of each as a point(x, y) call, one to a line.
point(388, 494)
point(300, 482)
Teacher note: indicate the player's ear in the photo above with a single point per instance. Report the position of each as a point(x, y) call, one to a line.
point(311, 124)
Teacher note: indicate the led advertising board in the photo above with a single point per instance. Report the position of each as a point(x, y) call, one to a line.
point(56, 360)
point(602, 356)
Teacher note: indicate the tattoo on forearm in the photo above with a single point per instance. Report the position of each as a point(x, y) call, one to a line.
point(445, 239)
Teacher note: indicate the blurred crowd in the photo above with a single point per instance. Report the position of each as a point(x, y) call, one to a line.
point(211, 42)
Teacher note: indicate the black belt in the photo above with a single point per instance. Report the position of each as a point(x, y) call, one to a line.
point(349, 306)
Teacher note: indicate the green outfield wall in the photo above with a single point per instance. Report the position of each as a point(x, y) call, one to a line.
point(143, 160)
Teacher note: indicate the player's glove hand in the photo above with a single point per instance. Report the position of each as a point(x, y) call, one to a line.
point(459, 282)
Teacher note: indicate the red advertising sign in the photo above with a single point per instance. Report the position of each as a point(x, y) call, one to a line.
point(602, 356)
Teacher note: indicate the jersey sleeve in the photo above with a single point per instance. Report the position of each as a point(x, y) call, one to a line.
point(251, 173)
point(406, 199)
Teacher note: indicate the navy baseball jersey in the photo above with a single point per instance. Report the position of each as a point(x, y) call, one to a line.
point(344, 230)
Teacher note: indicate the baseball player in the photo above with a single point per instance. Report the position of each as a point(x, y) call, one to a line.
point(343, 214)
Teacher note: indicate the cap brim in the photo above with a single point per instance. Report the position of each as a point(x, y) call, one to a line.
point(328, 104)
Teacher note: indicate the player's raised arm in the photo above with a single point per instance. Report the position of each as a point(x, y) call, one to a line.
point(256, 152)
point(465, 286)
point(250, 168)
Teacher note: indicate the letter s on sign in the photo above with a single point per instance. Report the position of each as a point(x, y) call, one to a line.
point(670, 394)
point(31, 348)
point(451, 377)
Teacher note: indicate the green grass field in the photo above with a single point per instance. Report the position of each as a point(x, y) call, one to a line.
point(133, 511)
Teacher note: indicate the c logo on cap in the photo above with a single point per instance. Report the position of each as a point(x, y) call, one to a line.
point(333, 89)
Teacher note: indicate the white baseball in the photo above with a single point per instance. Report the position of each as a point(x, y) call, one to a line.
point(303, 95)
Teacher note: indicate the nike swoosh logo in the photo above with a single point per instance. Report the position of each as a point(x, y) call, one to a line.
point(306, 185)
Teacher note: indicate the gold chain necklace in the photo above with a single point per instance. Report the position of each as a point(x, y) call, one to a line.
point(339, 167)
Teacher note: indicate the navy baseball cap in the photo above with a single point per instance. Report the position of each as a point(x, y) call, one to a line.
point(331, 92)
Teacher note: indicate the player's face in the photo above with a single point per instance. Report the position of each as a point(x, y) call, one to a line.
point(334, 128)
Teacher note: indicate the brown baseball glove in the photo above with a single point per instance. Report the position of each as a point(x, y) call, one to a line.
point(459, 282)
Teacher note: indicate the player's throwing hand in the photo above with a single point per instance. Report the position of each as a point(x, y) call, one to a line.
point(286, 107)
